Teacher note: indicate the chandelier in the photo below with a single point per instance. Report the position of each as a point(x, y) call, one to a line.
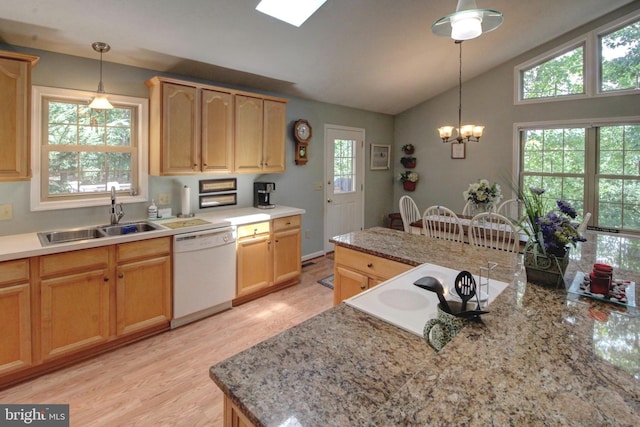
point(465, 133)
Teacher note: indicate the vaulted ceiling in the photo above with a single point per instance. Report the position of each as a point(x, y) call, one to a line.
point(377, 55)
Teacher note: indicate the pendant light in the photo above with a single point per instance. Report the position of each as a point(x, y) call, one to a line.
point(468, 22)
point(466, 133)
point(100, 102)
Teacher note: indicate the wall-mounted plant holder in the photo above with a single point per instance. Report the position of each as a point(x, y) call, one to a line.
point(408, 162)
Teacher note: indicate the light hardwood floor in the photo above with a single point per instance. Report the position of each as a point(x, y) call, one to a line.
point(164, 380)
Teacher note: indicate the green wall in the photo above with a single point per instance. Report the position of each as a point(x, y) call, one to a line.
point(293, 188)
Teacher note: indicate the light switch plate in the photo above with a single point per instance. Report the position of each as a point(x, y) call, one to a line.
point(6, 211)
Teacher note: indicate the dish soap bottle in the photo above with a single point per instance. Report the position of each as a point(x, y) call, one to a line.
point(152, 210)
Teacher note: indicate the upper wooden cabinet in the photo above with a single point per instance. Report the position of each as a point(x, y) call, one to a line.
point(15, 111)
point(197, 128)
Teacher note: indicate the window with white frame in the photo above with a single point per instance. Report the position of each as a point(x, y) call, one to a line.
point(603, 62)
point(596, 168)
point(81, 153)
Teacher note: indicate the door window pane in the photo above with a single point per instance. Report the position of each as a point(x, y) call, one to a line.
point(344, 161)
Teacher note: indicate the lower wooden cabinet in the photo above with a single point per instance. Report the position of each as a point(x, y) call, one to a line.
point(233, 417)
point(268, 257)
point(59, 307)
point(356, 271)
point(143, 285)
point(15, 316)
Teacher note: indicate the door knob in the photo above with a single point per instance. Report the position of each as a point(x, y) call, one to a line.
point(329, 200)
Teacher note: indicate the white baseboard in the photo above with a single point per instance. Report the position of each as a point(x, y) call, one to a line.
point(313, 255)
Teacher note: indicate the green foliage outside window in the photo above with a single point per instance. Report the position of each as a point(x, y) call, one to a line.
point(620, 55)
point(562, 75)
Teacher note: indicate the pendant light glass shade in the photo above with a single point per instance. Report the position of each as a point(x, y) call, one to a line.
point(100, 102)
point(467, 22)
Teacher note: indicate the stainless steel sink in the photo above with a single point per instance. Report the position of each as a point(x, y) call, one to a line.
point(48, 238)
point(63, 236)
point(128, 228)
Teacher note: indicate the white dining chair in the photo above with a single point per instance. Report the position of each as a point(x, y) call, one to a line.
point(583, 225)
point(510, 208)
point(442, 223)
point(492, 230)
point(409, 212)
point(470, 210)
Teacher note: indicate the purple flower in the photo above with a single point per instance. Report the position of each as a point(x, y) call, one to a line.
point(566, 209)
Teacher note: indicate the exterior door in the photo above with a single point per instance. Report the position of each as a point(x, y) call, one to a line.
point(344, 172)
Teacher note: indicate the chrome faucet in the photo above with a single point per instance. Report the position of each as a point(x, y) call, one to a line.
point(115, 216)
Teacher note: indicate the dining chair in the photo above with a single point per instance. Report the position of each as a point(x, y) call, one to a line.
point(442, 223)
point(583, 225)
point(492, 230)
point(510, 208)
point(409, 212)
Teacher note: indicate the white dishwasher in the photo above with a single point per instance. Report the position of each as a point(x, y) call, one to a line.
point(204, 273)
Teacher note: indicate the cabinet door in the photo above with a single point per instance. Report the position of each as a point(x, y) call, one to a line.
point(248, 134)
point(287, 256)
point(180, 138)
point(254, 264)
point(15, 318)
point(74, 312)
point(143, 294)
point(274, 136)
point(348, 283)
point(217, 131)
point(15, 86)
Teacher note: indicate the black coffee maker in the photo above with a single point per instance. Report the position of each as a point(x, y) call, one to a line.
point(262, 194)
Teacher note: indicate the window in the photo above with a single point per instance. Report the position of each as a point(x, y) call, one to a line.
point(79, 153)
point(558, 76)
point(596, 168)
point(344, 161)
point(620, 58)
point(603, 62)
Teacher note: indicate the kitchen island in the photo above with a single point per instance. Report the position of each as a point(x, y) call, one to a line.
point(541, 357)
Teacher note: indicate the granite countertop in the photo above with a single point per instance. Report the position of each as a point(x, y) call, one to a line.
point(27, 244)
point(541, 357)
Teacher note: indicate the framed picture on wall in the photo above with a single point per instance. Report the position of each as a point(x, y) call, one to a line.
point(380, 157)
point(458, 150)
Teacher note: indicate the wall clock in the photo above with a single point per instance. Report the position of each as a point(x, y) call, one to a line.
point(302, 133)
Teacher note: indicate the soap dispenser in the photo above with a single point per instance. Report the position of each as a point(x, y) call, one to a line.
point(152, 210)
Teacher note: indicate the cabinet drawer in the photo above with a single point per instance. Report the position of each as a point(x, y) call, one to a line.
point(253, 229)
point(144, 248)
point(369, 264)
point(14, 272)
point(68, 262)
point(286, 222)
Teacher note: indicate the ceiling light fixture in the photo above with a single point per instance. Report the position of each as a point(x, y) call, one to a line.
point(468, 22)
point(100, 102)
point(466, 133)
point(294, 12)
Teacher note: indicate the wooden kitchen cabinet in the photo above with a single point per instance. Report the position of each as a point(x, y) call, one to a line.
point(260, 135)
point(15, 316)
point(356, 271)
point(75, 306)
point(15, 114)
point(268, 257)
point(191, 129)
point(197, 128)
point(143, 291)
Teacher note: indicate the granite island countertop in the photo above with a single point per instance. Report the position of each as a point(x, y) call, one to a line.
point(539, 358)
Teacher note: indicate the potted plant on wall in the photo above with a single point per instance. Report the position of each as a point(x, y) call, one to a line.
point(408, 149)
point(409, 180)
point(408, 162)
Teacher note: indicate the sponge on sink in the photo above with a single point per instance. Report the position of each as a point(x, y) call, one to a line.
point(129, 229)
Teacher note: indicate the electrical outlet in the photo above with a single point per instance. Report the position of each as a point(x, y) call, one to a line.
point(317, 186)
point(6, 212)
point(164, 198)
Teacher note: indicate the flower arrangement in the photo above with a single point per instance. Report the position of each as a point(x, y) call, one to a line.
point(551, 230)
point(482, 192)
point(408, 148)
point(408, 176)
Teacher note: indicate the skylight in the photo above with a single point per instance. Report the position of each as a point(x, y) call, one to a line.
point(293, 12)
